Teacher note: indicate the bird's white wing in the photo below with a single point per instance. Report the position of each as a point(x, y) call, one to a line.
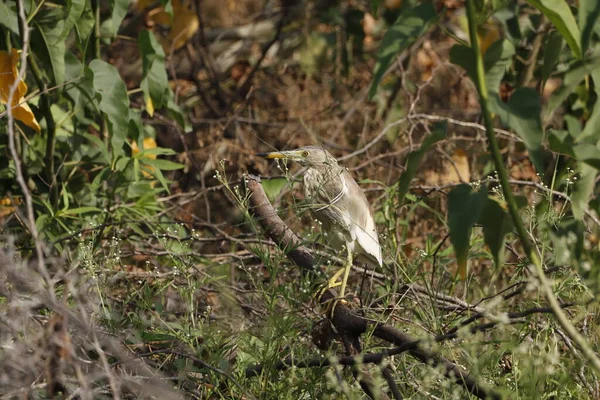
point(362, 224)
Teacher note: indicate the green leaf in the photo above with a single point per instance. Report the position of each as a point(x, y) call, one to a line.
point(588, 153)
point(414, 159)
point(8, 16)
point(81, 210)
point(572, 78)
point(158, 151)
point(497, 59)
point(273, 187)
point(155, 82)
point(496, 223)
point(591, 131)
point(464, 208)
point(138, 189)
point(164, 165)
point(110, 27)
point(522, 114)
point(568, 241)
point(582, 190)
point(85, 24)
point(463, 56)
point(74, 11)
point(560, 142)
point(113, 102)
point(47, 44)
point(552, 47)
point(589, 12)
point(559, 13)
point(409, 26)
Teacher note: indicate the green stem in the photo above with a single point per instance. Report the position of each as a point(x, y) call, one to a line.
point(50, 124)
point(562, 319)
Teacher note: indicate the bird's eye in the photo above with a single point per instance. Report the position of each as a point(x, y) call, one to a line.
point(305, 153)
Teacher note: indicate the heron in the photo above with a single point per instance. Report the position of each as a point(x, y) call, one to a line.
point(336, 200)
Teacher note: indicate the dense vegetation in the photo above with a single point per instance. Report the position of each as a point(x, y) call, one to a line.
point(139, 258)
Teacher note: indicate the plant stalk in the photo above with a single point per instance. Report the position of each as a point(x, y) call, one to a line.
point(50, 124)
point(529, 249)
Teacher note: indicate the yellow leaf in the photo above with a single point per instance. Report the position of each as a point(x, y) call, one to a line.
point(148, 143)
point(149, 106)
point(184, 23)
point(8, 75)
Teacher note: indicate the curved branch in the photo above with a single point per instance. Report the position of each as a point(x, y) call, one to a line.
point(348, 324)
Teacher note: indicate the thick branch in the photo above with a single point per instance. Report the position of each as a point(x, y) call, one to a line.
point(347, 323)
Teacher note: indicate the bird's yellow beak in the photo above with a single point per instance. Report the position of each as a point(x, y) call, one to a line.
point(292, 155)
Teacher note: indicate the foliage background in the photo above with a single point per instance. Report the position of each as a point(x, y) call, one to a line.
point(131, 268)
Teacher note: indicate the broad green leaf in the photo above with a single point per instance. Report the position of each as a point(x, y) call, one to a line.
point(85, 24)
point(559, 13)
point(589, 13)
point(409, 26)
point(496, 223)
point(74, 11)
point(45, 41)
point(591, 131)
point(155, 82)
point(552, 47)
point(522, 114)
point(273, 187)
point(560, 142)
point(110, 27)
point(496, 60)
point(588, 153)
point(8, 16)
point(414, 159)
point(463, 56)
point(582, 190)
point(113, 102)
point(464, 209)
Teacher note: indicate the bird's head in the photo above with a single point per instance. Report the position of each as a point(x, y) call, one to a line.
point(307, 156)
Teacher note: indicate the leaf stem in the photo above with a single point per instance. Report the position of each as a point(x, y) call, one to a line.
point(50, 124)
point(562, 319)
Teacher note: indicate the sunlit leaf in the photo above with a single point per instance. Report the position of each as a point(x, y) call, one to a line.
point(113, 101)
point(409, 26)
point(8, 75)
point(464, 209)
point(8, 16)
point(74, 11)
point(273, 187)
point(559, 13)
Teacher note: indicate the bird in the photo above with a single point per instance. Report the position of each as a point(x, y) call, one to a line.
point(335, 199)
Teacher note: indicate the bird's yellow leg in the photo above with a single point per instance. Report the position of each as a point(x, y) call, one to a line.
point(346, 271)
point(333, 283)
